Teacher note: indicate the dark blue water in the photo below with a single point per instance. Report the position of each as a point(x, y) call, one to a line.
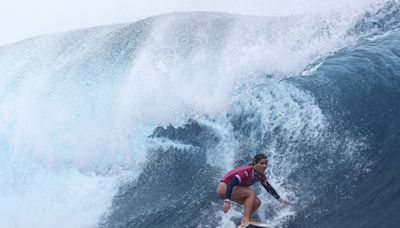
point(357, 89)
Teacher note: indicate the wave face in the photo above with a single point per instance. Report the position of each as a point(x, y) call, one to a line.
point(358, 89)
point(133, 125)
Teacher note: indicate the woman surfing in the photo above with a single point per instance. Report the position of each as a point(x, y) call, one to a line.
point(235, 184)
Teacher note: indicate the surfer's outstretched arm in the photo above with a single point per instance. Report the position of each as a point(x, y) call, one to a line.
point(272, 191)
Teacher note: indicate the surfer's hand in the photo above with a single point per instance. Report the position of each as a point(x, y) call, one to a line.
point(227, 206)
point(286, 202)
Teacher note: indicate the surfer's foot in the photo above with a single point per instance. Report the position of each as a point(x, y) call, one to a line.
point(244, 223)
point(255, 222)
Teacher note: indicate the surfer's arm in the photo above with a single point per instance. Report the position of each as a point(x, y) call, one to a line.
point(270, 189)
point(230, 186)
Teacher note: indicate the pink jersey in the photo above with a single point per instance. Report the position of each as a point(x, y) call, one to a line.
point(246, 175)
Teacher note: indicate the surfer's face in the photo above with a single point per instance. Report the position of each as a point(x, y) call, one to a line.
point(261, 165)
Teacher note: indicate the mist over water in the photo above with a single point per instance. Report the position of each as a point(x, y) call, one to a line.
point(96, 123)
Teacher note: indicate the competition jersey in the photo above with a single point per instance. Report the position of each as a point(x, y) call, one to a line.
point(245, 174)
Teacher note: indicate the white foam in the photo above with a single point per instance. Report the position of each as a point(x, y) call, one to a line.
point(68, 137)
point(47, 198)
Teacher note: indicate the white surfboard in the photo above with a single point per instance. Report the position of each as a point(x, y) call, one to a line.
point(254, 224)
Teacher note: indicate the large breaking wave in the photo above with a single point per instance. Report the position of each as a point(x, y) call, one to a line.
point(132, 125)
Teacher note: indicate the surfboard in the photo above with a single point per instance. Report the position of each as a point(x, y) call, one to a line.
point(257, 226)
point(253, 224)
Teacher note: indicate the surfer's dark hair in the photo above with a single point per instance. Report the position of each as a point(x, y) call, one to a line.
point(257, 158)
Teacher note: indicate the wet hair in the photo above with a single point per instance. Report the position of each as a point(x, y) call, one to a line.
point(257, 158)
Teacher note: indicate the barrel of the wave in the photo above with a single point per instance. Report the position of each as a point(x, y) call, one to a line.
point(235, 186)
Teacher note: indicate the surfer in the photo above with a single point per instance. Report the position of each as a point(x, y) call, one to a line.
point(235, 184)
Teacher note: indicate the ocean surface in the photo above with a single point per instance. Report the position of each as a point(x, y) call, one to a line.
point(133, 125)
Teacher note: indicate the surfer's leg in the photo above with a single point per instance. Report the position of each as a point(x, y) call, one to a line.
point(256, 205)
point(249, 205)
point(242, 195)
point(247, 197)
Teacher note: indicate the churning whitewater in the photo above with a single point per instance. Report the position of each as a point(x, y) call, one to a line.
point(133, 125)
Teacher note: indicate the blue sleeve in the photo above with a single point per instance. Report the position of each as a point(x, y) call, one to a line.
point(270, 189)
point(230, 186)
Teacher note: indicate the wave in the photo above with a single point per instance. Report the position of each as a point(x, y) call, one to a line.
point(132, 125)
